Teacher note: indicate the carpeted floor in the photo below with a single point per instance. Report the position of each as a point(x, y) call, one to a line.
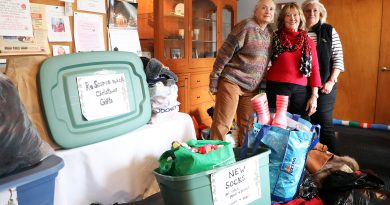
point(370, 148)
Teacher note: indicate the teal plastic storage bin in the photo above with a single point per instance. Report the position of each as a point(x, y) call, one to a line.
point(93, 96)
point(35, 185)
point(197, 189)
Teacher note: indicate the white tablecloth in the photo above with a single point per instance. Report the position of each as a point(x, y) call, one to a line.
point(119, 169)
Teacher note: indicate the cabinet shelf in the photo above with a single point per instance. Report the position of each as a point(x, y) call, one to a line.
point(199, 19)
point(172, 14)
point(199, 41)
point(173, 39)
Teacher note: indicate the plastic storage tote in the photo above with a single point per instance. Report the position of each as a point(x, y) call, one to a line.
point(89, 97)
point(35, 185)
point(201, 188)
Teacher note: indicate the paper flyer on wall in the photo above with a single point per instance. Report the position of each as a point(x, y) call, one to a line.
point(15, 18)
point(98, 6)
point(88, 32)
point(59, 26)
point(124, 40)
point(123, 14)
point(24, 45)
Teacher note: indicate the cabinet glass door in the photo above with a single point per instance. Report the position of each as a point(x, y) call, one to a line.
point(174, 29)
point(146, 27)
point(204, 29)
point(227, 21)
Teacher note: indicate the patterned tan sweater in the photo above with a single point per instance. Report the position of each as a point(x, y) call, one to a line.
point(243, 57)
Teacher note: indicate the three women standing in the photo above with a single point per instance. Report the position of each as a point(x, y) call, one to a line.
point(297, 70)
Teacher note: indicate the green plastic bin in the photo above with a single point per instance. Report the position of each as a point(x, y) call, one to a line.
point(196, 189)
point(61, 99)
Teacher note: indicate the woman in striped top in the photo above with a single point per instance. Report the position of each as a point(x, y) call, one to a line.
point(330, 57)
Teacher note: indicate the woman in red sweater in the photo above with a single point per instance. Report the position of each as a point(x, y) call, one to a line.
point(294, 64)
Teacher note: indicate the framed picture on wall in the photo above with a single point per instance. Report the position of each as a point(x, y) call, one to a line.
point(60, 50)
point(175, 53)
point(123, 14)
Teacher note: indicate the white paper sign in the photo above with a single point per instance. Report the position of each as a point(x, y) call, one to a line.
point(92, 5)
point(88, 32)
point(103, 95)
point(15, 18)
point(59, 26)
point(125, 40)
point(238, 184)
point(22, 45)
point(9, 196)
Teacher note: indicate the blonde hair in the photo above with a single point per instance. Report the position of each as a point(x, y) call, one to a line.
point(283, 14)
point(322, 9)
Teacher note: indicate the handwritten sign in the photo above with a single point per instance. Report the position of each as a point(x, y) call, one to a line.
point(9, 196)
point(15, 18)
point(238, 184)
point(103, 95)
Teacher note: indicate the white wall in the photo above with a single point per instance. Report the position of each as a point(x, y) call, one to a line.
point(245, 7)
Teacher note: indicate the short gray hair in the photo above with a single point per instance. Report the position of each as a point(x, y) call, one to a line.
point(323, 12)
point(258, 5)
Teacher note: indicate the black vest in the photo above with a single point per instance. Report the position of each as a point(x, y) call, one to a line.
point(324, 49)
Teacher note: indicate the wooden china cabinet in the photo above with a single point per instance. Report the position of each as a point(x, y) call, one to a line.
point(185, 36)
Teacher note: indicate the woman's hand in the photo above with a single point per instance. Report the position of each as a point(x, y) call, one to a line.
point(311, 106)
point(328, 86)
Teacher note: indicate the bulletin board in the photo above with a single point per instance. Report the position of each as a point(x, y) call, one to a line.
point(71, 44)
point(145, 27)
point(23, 69)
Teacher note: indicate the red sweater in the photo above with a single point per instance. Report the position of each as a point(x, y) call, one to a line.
point(286, 67)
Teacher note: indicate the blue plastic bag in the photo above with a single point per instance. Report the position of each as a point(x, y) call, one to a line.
point(289, 148)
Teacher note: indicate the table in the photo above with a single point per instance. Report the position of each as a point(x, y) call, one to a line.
point(119, 169)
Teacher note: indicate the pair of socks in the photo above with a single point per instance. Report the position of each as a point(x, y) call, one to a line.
point(260, 104)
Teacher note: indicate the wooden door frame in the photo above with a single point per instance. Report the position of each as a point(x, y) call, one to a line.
point(359, 32)
point(382, 108)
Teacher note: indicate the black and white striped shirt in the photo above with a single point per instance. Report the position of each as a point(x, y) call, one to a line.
point(337, 49)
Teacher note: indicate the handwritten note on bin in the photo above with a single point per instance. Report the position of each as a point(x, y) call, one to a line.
point(103, 96)
point(238, 184)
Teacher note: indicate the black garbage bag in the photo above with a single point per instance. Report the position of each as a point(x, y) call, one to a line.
point(356, 197)
point(357, 188)
point(343, 181)
point(307, 188)
point(20, 144)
